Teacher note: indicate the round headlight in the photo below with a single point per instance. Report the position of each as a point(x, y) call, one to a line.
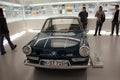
point(27, 50)
point(84, 51)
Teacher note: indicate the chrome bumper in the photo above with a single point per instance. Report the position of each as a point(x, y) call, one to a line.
point(26, 62)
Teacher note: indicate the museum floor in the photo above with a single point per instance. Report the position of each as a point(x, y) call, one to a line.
point(107, 47)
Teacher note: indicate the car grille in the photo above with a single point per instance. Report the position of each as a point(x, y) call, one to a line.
point(57, 53)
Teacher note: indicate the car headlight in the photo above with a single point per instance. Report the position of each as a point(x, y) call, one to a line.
point(27, 50)
point(84, 51)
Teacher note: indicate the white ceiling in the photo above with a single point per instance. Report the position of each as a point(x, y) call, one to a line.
point(47, 1)
point(14, 1)
point(51, 1)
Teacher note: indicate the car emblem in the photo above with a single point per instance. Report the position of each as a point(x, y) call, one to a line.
point(53, 53)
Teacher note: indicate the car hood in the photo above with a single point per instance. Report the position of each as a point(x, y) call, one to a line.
point(57, 39)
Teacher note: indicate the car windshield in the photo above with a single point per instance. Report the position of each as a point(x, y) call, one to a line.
point(63, 24)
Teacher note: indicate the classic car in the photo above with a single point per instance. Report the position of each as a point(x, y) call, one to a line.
point(61, 44)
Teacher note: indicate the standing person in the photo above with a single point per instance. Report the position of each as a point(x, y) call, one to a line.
point(83, 17)
point(116, 21)
point(4, 32)
point(99, 14)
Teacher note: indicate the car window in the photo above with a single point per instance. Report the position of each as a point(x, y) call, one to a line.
point(62, 43)
point(62, 25)
point(47, 25)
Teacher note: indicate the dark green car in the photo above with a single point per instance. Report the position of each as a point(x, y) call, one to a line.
point(61, 44)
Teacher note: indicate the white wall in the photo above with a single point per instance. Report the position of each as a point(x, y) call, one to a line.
point(19, 26)
point(37, 24)
point(106, 24)
point(16, 27)
point(34, 24)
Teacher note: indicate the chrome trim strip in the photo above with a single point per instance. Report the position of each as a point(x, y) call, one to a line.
point(33, 58)
point(65, 43)
point(47, 40)
point(69, 67)
point(78, 59)
point(64, 34)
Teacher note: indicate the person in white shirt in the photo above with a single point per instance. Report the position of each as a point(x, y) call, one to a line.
point(99, 22)
point(116, 21)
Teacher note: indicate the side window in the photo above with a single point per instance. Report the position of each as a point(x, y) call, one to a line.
point(46, 25)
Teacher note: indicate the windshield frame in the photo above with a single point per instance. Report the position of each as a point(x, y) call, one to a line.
point(51, 19)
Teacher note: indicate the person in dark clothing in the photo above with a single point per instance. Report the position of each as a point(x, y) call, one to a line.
point(4, 32)
point(116, 21)
point(99, 22)
point(83, 17)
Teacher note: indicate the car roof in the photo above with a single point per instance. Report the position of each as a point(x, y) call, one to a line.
point(63, 17)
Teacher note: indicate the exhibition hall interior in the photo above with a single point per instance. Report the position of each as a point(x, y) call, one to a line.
point(60, 53)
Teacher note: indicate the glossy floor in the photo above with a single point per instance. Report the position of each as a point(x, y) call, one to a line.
point(107, 47)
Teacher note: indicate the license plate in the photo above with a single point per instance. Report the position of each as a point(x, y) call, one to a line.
point(54, 62)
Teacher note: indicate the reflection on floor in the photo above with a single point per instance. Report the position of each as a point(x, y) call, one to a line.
point(107, 47)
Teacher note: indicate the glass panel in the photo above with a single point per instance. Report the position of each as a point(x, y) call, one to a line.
point(63, 43)
point(12, 12)
point(72, 9)
point(62, 25)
